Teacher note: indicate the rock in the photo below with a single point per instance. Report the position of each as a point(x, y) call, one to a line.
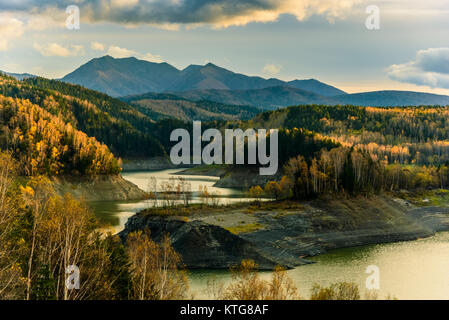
point(290, 234)
point(203, 245)
point(157, 163)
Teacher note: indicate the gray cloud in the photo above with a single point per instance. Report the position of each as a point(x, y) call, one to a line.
point(215, 12)
point(430, 68)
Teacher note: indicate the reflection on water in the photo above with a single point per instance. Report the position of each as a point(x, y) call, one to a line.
point(116, 213)
point(408, 270)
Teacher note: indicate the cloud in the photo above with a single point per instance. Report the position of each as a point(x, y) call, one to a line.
point(118, 52)
point(97, 46)
point(57, 50)
point(10, 28)
point(219, 13)
point(152, 58)
point(430, 68)
point(272, 69)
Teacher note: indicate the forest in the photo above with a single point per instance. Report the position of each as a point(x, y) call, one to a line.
point(127, 132)
point(48, 128)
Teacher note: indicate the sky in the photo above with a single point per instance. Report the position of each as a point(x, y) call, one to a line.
point(287, 39)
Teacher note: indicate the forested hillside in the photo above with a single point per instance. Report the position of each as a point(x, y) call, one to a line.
point(164, 106)
point(44, 144)
point(123, 129)
point(374, 149)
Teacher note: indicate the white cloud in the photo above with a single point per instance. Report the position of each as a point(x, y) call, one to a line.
point(430, 68)
point(97, 46)
point(272, 69)
point(152, 58)
point(10, 29)
point(57, 50)
point(118, 52)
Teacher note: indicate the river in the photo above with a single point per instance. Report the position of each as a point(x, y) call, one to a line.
point(408, 270)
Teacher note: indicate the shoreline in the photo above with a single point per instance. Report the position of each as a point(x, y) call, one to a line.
point(288, 236)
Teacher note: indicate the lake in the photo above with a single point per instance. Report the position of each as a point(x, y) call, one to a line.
point(116, 213)
point(408, 270)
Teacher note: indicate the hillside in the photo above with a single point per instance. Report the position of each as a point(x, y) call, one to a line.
point(130, 76)
point(393, 99)
point(267, 98)
point(44, 144)
point(123, 129)
point(271, 98)
point(163, 106)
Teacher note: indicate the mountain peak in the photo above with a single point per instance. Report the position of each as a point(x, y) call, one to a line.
point(131, 76)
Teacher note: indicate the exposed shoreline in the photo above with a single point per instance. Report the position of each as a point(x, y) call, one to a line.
point(99, 188)
point(285, 236)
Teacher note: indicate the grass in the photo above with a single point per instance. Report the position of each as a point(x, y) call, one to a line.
point(436, 197)
point(246, 207)
point(245, 228)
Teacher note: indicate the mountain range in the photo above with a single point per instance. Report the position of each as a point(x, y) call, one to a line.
point(132, 79)
point(151, 86)
point(130, 76)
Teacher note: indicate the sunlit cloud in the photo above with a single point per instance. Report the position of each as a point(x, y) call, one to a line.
point(57, 50)
point(97, 46)
point(118, 52)
point(271, 69)
point(10, 29)
point(218, 13)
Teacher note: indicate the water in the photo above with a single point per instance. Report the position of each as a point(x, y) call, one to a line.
point(116, 213)
point(408, 270)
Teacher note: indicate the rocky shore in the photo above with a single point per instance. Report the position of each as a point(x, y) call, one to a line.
point(100, 188)
point(157, 163)
point(286, 235)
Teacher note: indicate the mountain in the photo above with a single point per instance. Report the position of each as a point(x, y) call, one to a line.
point(164, 106)
point(210, 76)
point(122, 77)
point(274, 97)
point(19, 76)
point(267, 98)
point(317, 87)
point(393, 98)
point(130, 76)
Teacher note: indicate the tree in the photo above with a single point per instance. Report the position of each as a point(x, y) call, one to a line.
point(247, 285)
point(11, 214)
point(273, 190)
point(156, 272)
point(337, 291)
point(256, 192)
